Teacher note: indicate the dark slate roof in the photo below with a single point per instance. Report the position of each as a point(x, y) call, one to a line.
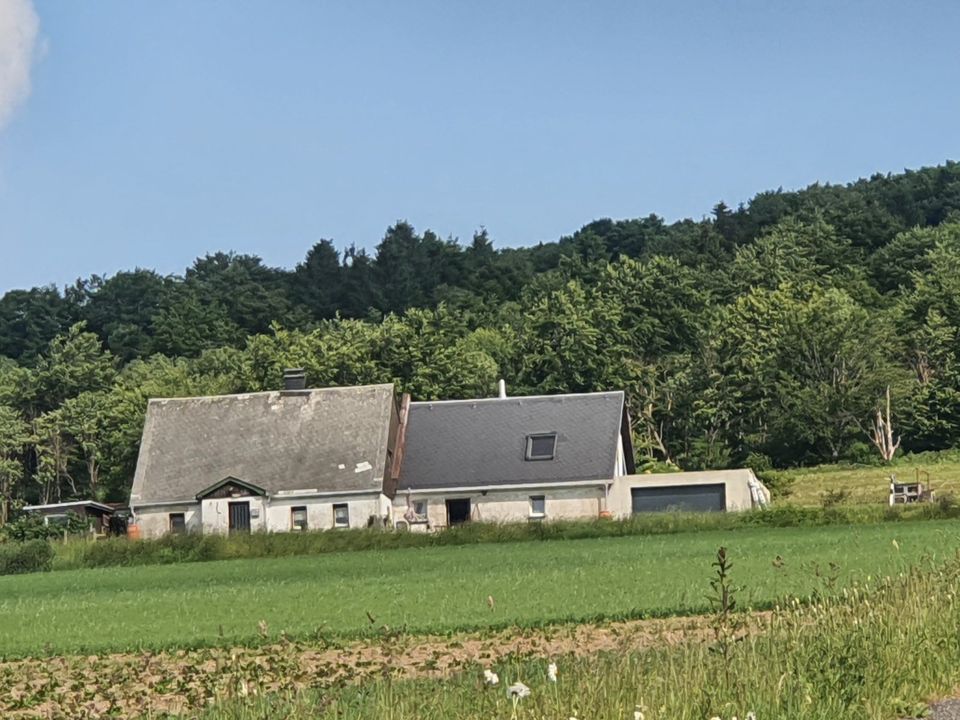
point(328, 440)
point(461, 443)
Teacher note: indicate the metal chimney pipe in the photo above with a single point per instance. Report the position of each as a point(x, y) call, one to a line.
point(502, 388)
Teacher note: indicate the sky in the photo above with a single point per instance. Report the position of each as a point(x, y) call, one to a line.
point(146, 134)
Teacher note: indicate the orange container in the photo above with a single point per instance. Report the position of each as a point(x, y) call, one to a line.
point(133, 532)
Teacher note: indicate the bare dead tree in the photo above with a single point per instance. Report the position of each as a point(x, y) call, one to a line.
point(881, 432)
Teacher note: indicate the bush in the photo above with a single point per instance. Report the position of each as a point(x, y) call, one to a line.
point(33, 526)
point(24, 557)
point(832, 497)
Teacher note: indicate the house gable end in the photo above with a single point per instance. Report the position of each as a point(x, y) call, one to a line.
point(231, 487)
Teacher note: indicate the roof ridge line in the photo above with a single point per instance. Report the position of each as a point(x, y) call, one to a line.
point(520, 397)
point(307, 391)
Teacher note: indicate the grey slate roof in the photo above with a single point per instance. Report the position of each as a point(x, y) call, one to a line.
point(321, 440)
point(464, 443)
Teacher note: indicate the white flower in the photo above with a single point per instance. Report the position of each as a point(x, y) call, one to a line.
point(638, 714)
point(518, 690)
point(751, 716)
point(490, 677)
point(552, 672)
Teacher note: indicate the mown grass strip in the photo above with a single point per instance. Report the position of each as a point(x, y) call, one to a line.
point(196, 548)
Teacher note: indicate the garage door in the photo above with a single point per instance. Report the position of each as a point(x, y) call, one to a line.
point(693, 498)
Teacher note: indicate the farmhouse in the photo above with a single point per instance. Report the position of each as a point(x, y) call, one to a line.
point(512, 458)
point(294, 459)
point(348, 457)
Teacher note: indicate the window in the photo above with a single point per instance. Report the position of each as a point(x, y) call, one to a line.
point(341, 515)
point(178, 523)
point(420, 509)
point(538, 506)
point(298, 518)
point(541, 447)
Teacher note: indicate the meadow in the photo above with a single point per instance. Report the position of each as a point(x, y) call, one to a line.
point(443, 589)
point(869, 484)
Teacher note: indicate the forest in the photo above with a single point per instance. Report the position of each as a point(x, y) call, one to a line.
point(769, 334)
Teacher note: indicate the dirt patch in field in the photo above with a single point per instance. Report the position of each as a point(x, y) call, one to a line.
point(126, 684)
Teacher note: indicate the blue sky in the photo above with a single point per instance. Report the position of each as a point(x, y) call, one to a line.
point(155, 132)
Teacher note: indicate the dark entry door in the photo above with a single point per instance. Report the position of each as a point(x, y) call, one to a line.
point(692, 498)
point(239, 516)
point(458, 511)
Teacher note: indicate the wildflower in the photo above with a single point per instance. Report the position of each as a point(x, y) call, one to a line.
point(638, 714)
point(490, 677)
point(518, 690)
point(552, 672)
point(751, 716)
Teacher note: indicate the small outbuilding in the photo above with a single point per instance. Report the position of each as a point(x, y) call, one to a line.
point(97, 514)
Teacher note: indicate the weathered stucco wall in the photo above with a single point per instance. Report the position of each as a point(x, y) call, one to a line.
point(155, 522)
point(320, 511)
point(266, 514)
point(500, 506)
point(215, 517)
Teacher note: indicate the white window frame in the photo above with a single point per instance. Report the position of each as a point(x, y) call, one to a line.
point(346, 509)
point(423, 505)
point(533, 510)
point(293, 518)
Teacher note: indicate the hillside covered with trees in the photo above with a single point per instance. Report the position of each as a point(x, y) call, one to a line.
point(768, 334)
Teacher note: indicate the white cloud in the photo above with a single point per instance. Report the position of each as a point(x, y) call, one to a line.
point(18, 36)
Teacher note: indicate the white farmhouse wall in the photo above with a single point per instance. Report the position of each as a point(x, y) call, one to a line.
point(215, 514)
point(320, 511)
point(621, 464)
point(501, 506)
point(155, 521)
point(211, 516)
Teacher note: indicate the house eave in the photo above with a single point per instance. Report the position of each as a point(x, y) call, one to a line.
point(274, 496)
point(547, 485)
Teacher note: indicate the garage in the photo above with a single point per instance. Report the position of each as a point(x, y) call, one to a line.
point(690, 498)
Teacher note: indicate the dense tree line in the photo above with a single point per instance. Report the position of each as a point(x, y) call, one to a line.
point(766, 334)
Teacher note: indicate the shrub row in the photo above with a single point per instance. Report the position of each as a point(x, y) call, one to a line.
point(24, 557)
point(199, 548)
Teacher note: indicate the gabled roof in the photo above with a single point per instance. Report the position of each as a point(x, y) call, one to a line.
point(230, 480)
point(465, 443)
point(326, 440)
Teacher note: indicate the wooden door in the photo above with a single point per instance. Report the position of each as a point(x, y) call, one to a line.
point(239, 513)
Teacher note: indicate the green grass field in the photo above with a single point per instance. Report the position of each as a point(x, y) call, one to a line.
point(438, 589)
point(870, 484)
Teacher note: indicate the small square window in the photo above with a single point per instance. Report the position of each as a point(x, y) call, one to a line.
point(298, 518)
point(541, 447)
point(420, 508)
point(538, 506)
point(341, 515)
point(178, 523)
